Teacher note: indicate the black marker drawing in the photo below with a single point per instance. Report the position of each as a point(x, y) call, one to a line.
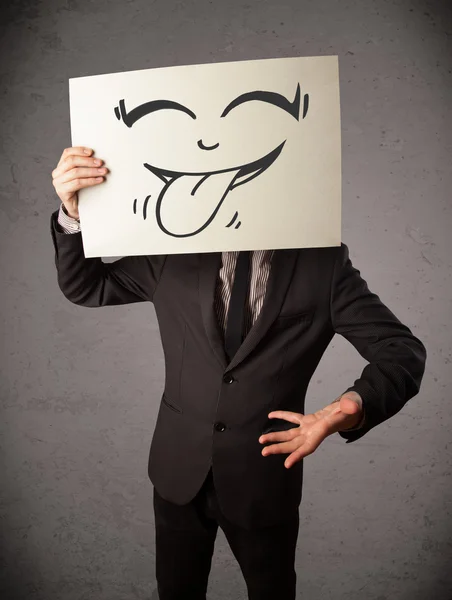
point(233, 219)
point(194, 185)
point(203, 147)
point(145, 206)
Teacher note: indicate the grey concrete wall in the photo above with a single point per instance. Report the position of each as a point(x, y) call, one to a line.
point(80, 387)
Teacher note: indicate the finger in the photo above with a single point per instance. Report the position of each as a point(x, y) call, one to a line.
point(283, 448)
point(82, 173)
point(280, 436)
point(74, 161)
point(299, 454)
point(287, 415)
point(308, 447)
point(78, 184)
point(75, 150)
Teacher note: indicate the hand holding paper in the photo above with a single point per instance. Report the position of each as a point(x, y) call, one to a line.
point(76, 169)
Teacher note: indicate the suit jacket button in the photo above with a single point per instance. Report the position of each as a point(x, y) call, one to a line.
point(228, 379)
point(220, 426)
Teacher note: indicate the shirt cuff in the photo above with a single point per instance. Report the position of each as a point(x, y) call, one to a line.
point(68, 224)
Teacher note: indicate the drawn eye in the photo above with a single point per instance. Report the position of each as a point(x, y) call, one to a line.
point(142, 110)
point(293, 108)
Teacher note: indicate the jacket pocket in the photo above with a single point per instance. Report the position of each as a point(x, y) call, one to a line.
point(306, 314)
point(303, 318)
point(170, 405)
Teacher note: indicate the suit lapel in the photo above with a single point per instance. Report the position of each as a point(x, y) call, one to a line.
point(281, 272)
point(210, 264)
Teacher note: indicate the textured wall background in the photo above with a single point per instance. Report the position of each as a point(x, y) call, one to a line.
point(80, 387)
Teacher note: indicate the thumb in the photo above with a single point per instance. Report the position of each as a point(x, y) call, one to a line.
point(349, 405)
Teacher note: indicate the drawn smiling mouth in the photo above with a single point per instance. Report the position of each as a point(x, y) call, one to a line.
point(203, 192)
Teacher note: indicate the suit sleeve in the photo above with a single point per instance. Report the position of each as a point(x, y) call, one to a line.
point(92, 283)
point(396, 357)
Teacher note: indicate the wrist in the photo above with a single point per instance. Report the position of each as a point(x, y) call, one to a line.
point(70, 214)
point(66, 222)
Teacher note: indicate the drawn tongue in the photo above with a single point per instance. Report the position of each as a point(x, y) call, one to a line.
point(191, 202)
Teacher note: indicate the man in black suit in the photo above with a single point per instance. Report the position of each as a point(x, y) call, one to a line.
point(242, 335)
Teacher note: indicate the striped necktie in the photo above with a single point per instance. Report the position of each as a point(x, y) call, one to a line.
point(236, 311)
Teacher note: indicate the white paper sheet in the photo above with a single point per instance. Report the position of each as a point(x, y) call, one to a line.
point(204, 158)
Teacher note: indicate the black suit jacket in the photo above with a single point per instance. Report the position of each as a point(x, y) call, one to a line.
point(212, 412)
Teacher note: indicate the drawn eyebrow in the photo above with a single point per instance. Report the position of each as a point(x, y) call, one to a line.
point(293, 108)
point(140, 111)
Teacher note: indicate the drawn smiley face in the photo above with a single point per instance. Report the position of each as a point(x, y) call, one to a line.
point(205, 191)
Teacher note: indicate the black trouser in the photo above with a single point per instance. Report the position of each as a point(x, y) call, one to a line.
point(185, 537)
